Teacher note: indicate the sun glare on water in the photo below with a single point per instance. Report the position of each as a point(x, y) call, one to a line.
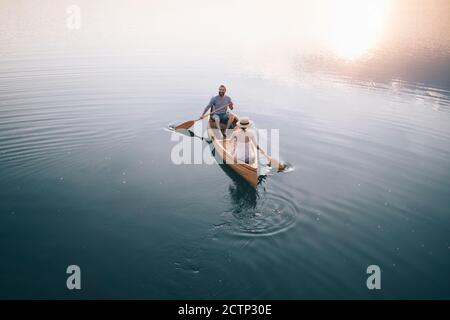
point(356, 25)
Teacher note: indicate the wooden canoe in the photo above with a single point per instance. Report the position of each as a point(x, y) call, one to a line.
point(247, 171)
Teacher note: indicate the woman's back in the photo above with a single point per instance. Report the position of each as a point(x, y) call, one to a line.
point(242, 141)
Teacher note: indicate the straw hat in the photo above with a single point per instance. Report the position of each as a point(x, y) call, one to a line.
point(244, 122)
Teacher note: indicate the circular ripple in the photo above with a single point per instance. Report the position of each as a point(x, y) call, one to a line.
point(270, 214)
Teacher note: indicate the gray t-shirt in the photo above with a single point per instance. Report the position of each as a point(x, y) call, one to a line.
point(218, 102)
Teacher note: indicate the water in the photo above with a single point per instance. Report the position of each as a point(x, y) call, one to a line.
point(87, 176)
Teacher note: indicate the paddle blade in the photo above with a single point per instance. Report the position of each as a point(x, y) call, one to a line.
point(185, 125)
point(275, 164)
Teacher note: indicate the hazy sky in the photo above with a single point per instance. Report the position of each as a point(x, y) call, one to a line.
point(258, 34)
point(348, 27)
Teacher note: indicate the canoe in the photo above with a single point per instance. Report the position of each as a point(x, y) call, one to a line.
point(247, 171)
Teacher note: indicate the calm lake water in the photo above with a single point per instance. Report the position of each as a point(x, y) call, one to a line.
point(87, 176)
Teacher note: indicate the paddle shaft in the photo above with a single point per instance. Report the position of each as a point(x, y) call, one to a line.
point(190, 123)
point(272, 162)
point(209, 113)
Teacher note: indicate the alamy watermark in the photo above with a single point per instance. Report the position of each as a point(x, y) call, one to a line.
point(374, 280)
point(73, 20)
point(188, 150)
point(74, 280)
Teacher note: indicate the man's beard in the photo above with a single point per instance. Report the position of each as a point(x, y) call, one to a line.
point(221, 94)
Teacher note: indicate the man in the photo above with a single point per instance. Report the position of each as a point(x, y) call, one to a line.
point(219, 105)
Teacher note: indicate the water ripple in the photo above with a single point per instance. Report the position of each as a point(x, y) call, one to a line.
point(272, 214)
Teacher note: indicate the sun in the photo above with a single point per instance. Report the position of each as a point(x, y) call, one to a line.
point(356, 25)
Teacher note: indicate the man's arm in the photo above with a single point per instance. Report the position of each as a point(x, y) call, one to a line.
point(209, 106)
point(231, 104)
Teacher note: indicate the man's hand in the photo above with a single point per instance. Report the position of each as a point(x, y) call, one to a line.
point(231, 105)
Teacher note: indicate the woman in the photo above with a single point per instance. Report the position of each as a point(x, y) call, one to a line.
point(242, 140)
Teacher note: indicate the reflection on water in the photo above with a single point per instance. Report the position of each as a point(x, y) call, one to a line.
point(356, 25)
point(392, 39)
point(256, 212)
point(242, 194)
point(358, 89)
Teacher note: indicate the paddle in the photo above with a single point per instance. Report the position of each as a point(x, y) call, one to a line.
point(190, 123)
point(272, 162)
point(191, 134)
